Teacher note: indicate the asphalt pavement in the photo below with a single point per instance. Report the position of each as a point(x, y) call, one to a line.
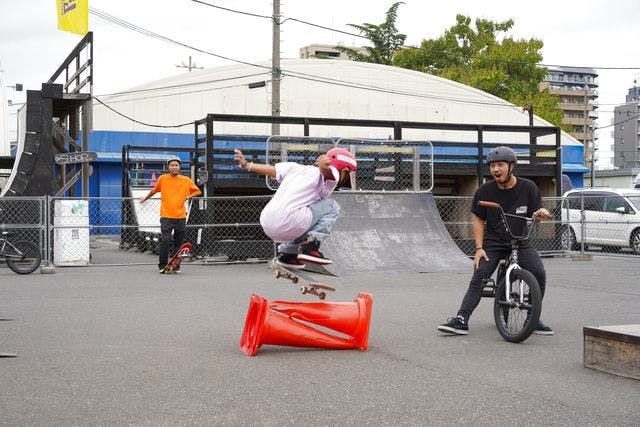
point(127, 346)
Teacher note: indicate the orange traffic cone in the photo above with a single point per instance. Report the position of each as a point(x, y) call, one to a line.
point(277, 323)
point(349, 318)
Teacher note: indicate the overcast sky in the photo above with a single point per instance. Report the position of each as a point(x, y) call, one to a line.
point(600, 34)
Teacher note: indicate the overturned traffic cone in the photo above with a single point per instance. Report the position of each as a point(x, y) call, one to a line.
point(290, 323)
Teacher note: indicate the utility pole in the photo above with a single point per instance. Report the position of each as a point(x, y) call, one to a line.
point(585, 128)
point(190, 66)
point(529, 109)
point(275, 68)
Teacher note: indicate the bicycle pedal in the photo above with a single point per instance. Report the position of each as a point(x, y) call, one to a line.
point(489, 293)
point(488, 288)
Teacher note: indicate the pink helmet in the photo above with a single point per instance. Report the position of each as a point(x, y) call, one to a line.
point(341, 158)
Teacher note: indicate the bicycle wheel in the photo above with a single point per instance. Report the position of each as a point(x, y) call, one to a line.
point(23, 258)
point(516, 320)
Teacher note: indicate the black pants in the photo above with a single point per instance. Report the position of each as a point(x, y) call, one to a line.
point(528, 259)
point(167, 225)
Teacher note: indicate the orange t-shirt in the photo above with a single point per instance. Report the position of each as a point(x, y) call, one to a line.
point(175, 189)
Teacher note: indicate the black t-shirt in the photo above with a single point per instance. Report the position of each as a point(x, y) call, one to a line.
point(522, 199)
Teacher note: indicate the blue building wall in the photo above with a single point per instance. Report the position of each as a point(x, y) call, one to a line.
point(572, 166)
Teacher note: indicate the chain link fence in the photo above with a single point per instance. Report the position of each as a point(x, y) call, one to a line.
point(23, 219)
point(604, 221)
point(125, 231)
point(383, 165)
point(455, 212)
point(122, 231)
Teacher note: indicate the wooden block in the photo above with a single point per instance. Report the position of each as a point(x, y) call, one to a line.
point(613, 349)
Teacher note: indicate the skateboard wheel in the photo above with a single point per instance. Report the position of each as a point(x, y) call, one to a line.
point(303, 290)
point(294, 279)
point(276, 274)
point(322, 295)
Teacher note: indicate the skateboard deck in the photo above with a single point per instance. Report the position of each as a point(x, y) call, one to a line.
point(308, 285)
point(176, 259)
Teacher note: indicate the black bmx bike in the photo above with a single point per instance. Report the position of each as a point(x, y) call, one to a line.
point(22, 257)
point(517, 297)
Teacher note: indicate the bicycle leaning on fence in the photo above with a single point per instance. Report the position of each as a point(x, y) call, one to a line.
point(22, 257)
point(516, 292)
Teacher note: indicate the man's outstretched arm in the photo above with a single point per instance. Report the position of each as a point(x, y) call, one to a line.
point(258, 168)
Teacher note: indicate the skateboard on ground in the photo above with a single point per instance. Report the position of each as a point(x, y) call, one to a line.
point(308, 284)
point(176, 259)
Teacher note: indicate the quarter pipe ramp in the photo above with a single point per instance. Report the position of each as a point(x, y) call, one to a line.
point(400, 232)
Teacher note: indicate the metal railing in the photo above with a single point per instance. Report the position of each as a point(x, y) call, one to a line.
point(383, 165)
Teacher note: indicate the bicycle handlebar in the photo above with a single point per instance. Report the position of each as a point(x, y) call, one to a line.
point(503, 215)
point(489, 204)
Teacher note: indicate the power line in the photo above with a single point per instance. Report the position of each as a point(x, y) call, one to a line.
point(283, 21)
point(143, 31)
point(140, 122)
point(324, 27)
point(163, 95)
point(183, 85)
point(619, 123)
point(122, 23)
point(232, 10)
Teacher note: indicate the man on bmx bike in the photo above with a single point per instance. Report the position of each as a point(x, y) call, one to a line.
point(517, 196)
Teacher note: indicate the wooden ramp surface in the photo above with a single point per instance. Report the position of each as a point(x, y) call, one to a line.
point(614, 349)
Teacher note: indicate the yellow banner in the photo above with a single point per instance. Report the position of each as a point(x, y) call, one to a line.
point(73, 16)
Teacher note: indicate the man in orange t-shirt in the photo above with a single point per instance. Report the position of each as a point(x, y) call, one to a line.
point(175, 189)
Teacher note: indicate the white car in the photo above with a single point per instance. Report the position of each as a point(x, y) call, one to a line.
point(611, 218)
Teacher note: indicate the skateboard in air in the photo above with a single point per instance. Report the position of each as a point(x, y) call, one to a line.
point(308, 285)
point(176, 259)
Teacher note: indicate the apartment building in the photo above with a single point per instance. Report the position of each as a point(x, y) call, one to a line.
point(326, 51)
point(577, 88)
point(626, 132)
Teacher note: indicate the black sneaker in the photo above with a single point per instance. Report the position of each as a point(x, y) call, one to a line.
point(542, 329)
point(310, 251)
point(289, 261)
point(455, 325)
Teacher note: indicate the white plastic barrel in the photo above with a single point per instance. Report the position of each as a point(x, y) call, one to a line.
point(71, 240)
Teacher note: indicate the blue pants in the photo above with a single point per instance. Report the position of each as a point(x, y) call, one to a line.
point(528, 259)
point(324, 212)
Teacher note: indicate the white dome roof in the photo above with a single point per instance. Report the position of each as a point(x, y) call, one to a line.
point(317, 88)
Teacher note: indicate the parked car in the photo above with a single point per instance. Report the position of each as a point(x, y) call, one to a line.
point(611, 218)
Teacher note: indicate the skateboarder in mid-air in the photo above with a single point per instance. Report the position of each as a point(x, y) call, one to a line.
point(300, 215)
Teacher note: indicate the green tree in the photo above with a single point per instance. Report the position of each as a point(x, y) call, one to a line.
point(545, 106)
point(384, 37)
point(485, 58)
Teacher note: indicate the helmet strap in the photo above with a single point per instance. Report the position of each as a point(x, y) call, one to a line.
point(509, 173)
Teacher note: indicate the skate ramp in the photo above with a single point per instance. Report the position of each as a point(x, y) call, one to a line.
point(390, 232)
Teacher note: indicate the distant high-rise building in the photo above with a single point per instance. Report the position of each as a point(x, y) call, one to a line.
point(634, 93)
point(626, 138)
point(577, 89)
point(326, 51)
